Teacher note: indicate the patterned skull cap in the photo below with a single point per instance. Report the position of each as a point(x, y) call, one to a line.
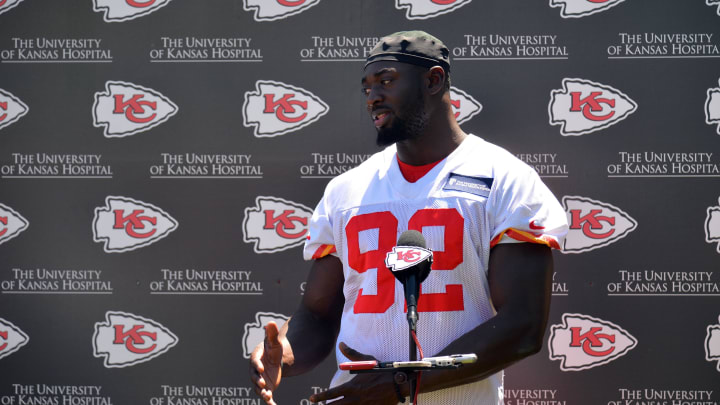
point(414, 47)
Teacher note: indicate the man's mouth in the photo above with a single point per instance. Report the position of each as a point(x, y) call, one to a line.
point(380, 118)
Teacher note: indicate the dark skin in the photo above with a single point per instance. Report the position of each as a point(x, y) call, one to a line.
point(519, 274)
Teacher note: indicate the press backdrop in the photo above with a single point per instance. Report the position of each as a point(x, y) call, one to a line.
point(159, 160)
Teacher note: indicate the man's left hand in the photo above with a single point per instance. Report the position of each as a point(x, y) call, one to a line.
point(366, 388)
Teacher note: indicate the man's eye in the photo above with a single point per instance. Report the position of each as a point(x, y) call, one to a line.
point(365, 91)
point(385, 82)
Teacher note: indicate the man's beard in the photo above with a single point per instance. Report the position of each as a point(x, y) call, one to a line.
point(408, 124)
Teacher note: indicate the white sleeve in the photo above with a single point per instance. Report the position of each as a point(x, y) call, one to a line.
point(525, 210)
point(320, 241)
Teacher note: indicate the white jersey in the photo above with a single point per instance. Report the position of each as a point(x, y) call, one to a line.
point(476, 197)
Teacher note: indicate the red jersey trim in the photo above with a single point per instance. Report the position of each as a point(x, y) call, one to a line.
point(323, 251)
point(524, 236)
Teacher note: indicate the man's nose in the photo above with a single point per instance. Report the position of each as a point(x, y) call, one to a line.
point(374, 95)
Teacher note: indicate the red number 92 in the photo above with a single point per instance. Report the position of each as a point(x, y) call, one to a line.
point(387, 226)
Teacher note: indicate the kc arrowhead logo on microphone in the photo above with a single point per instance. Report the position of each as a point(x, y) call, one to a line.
point(126, 339)
point(712, 225)
point(11, 338)
point(11, 108)
point(463, 105)
point(584, 342)
point(271, 10)
point(594, 224)
point(277, 108)
point(712, 107)
point(582, 8)
point(582, 107)
point(124, 10)
point(424, 9)
point(275, 224)
point(125, 224)
point(255, 331)
point(11, 223)
point(6, 5)
point(403, 257)
point(127, 109)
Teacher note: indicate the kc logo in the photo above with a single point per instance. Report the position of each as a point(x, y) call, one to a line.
point(127, 109)
point(271, 10)
point(11, 108)
point(712, 225)
point(584, 342)
point(714, 3)
point(126, 339)
point(402, 257)
point(463, 105)
point(125, 224)
point(424, 9)
point(11, 338)
point(11, 223)
point(582, 107)
point(255, 331)
point(275, 224)
point(277, 108)
point(594, 224)
point(712, 343)
point(124, 10)
point(712, 103)
point(582, 8)
point(6, 5)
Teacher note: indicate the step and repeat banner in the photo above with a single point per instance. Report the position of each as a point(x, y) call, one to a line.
point(159, 161)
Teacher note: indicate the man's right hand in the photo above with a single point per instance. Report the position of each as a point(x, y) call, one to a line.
point(266, 364)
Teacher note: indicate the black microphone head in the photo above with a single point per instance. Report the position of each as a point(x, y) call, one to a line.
point(410, 258)
point(412, 238)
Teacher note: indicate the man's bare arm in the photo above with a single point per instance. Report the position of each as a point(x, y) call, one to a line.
point(308, 337)
point(520, 279)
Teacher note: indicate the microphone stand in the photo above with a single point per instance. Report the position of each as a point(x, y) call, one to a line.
point(411, 289)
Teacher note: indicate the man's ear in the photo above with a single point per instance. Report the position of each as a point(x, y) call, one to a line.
point(436, 80)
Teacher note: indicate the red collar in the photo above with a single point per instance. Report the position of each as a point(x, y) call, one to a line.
point(414, 173)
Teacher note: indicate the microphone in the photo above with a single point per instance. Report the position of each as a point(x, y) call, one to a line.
point(410, 263)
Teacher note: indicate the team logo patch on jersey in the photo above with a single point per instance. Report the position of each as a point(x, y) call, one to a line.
point(712, 226)
point(255, 331)
point(277, 108)
point(582, 342)
point(582, 107)
point(582, 8)
point(474, 185)
point(712, 107)
point(126, 109)
point(424, 9)
point(275, 224)
point(126, 339)
point(271, 10)
point(11, 223)
point(11, 108)
point(594, 224)
point(6, 5)
point(124, 224)
point(11, 338)
point(124, 10)
point(463, 105)
point(712, 344)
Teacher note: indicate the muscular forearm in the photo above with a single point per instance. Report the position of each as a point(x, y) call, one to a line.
point(310, 340)
point(521, 289)
point(504, 344)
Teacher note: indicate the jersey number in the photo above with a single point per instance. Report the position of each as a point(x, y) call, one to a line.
point(387, 226)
